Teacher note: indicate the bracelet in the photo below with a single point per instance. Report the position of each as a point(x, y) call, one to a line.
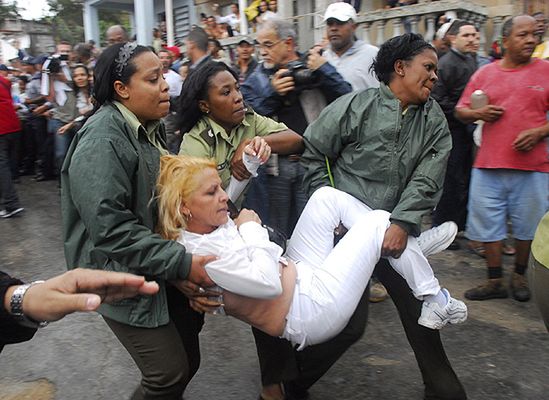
point(16, 304)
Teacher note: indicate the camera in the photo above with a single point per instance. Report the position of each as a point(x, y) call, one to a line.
point(304, 78)
point(53, 66)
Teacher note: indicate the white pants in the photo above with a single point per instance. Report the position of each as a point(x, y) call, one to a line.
point(331, 280)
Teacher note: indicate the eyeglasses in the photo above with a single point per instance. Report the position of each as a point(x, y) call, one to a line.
point(268, 46)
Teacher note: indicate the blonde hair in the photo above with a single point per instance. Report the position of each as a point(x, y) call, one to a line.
point(178, 179)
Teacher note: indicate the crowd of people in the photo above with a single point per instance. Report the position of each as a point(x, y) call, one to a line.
point(328, 160)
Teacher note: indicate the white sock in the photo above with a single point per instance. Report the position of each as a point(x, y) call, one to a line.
point(439, 298)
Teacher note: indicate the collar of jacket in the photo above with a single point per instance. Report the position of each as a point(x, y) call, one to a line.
point(271, 71)
point(464, 56)
point(391, 100)
point(150, 130)
point(219, 130)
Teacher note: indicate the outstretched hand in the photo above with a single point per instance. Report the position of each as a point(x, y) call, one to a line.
point(81, 290)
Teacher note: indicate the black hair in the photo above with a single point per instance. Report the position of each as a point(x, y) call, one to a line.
point(507, 27)
point(216, 43)
point(404, 47)
point(85, 68)
point(195, 88)
point(105, 72)
point(23, 78)
point(456, 26)
point(199, 37)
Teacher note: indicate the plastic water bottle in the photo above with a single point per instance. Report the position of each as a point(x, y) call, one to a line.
point(479, 99)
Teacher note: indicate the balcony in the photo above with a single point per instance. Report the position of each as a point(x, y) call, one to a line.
point(420, 18)
point(375, 27)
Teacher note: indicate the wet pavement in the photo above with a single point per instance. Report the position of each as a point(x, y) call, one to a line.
point(501, 352)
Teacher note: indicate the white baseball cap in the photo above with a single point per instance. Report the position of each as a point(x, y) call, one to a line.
point(443, 30)
point(341, 11)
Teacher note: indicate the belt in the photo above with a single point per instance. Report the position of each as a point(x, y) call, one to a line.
point(294, 157)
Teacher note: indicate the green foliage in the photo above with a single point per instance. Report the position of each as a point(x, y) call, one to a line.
point(8, 11)
point(108, 18)
point(66, 20)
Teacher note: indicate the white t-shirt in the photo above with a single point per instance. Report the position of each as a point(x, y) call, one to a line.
point(175, 82)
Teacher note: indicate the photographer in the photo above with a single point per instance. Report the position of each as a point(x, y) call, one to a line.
point(293, 90)
point(62, 100)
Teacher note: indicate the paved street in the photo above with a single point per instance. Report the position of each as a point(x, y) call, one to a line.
point(501, 352)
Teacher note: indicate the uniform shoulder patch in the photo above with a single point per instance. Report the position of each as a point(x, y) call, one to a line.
point(208, 136)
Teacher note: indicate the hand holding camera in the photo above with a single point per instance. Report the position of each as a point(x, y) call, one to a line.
point(283, 82)
point(315, 59)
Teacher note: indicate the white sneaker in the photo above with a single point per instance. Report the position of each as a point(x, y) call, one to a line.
point(2, 213)
point(434, 316)
point(12, 213)
point(434, 240)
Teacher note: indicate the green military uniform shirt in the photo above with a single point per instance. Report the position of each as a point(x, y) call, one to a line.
point(208, 139)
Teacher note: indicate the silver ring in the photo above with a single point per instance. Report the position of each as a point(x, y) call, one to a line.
point(201, 290)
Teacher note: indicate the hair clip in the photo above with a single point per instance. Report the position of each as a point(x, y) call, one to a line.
point(124, 56)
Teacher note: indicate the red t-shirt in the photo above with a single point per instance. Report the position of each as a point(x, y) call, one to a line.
point(524, 94)
point(9, 122)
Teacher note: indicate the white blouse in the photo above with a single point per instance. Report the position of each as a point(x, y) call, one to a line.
point(247, 263)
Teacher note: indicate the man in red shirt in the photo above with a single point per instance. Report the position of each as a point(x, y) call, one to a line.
point(510, 177)
point(9, 129)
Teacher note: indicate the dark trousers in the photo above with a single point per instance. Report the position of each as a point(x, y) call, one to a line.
point(300, 370)
point(44, 144)
point(8, 194)
point(167, 356)
point(27, 151)
point(453, 203)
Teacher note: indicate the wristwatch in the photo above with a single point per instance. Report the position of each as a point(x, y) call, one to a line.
point(16, 304)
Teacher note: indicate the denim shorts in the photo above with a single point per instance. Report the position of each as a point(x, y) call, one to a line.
point(499, 195)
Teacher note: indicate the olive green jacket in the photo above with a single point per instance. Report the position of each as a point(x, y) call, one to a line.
point(109, 211)
point(388, 159)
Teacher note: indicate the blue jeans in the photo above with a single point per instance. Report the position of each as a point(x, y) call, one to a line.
point(62, 142)
point(257, 196)
point(287, 198)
